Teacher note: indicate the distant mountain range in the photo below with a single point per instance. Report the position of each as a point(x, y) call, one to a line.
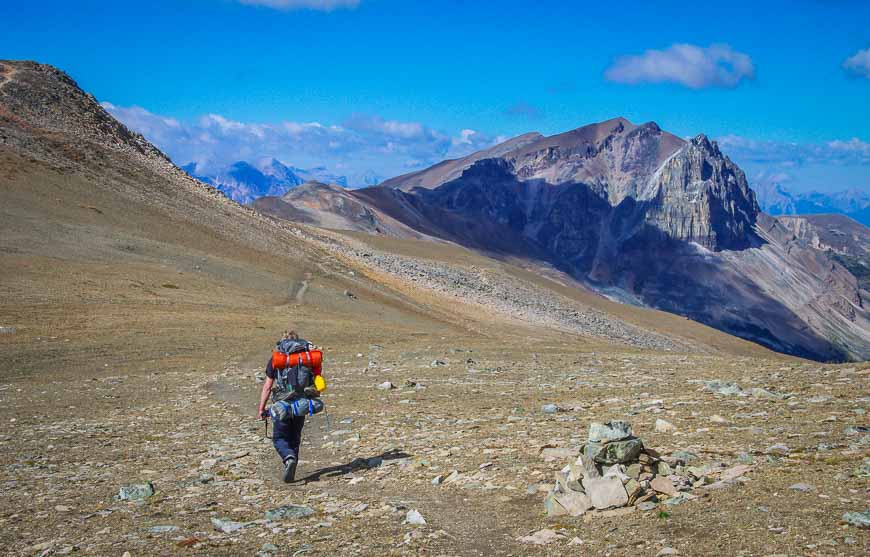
point(775, 200)
point(244, 181)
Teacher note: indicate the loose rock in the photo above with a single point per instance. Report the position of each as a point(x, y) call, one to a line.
point(136, 492)
point(542, 537)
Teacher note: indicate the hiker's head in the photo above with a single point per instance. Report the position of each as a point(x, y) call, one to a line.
point(290, 335)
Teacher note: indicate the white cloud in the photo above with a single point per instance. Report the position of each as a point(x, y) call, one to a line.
point(692, 66)
point(859, 63)
point(359, 144)
point(322, 5)
point(841, 152)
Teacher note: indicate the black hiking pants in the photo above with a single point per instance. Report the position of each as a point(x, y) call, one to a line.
point(287, 436)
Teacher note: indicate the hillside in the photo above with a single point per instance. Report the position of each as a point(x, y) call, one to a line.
point(844, 240)
point(138, 306)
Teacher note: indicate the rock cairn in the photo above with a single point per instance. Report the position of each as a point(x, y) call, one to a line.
point(615, 471)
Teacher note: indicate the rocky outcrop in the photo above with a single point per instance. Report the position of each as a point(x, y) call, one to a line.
point(840, 238)
point(700, 196)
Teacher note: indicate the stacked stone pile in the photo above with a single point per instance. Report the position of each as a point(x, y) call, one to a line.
point(615, 471)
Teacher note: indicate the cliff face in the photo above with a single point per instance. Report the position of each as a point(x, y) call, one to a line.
point(701, 196)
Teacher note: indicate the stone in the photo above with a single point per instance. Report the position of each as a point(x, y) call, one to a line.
point(698, 472)
point(386, 386)
point(414, 517)
point(859, 519)
point(226, 526)
point(438, 479)
point(717, 419)
point(734, 472)
point(862, 471)
point(633, 489)
point(610, 431)
point(664, 426)
point(208, 463)
point(758, 392)
point(135, 492)
point(683, 457)
point(288, 511)
point(615, 452)
point(777, 450)
point(662, 484)
point(605, 493)
point(667, 551)
point(553, 507)
point(574, 503)
point(542, 537)
point(454, 476)
point(551, 409)
point(616, 471)
point(437, 363)
point(663, 468)
point(720, 387)
point(679, 499)
point(646, 506)
point(802, 487)
point(633, 470)
point(559, 453)
point(163, 529)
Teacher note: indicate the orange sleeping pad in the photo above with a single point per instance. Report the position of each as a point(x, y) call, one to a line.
point(312, 359)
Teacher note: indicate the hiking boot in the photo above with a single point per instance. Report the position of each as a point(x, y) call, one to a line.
point(289, 469)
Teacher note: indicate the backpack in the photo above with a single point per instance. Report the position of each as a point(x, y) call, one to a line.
point(292, 380)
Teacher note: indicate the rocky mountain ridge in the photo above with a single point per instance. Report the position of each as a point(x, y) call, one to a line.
point(642, 215)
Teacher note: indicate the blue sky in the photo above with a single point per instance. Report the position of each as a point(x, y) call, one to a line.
point(393, 85)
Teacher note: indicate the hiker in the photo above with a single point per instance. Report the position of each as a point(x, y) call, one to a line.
point(293, 380)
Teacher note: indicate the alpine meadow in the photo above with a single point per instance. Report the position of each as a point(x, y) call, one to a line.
point(369, 277)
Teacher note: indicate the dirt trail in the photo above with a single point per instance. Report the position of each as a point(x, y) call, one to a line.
point(472, 524)
point(301, 289)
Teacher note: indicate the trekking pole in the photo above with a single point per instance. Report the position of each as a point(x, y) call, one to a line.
point(326, 415)
point(265, 424)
